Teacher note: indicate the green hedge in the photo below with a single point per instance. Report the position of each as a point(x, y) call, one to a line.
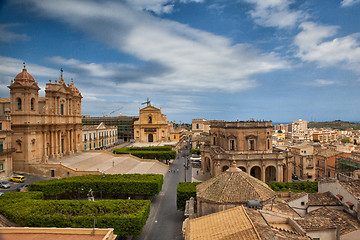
point(127, 217)
point(185, 190)
point(196, 151)
point(159, 153)
point(159, 148)
point(296, 187)
point(24, 195)
point(107, 185)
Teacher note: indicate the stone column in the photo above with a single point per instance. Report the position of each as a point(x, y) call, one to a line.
point(52, 145)
point(280, 174)
point(263, 175)
point(60, 145)
point(68, 141)
point(56, 143)
point(45, 156)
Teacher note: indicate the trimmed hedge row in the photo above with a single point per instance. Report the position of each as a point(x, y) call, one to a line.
point(127, 217)
point(296, 187)
point(23, 195)
point(159, 153)
point(196, 151)
point(113, 185)
point(155, 148)
point(185, 190)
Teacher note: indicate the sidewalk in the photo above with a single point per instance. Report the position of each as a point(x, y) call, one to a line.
point(199, 176)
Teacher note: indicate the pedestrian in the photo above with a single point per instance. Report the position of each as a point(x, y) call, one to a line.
point(169, 170)
point(177, 170)
point(197, 172)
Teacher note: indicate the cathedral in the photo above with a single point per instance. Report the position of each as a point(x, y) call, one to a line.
point(42, 127)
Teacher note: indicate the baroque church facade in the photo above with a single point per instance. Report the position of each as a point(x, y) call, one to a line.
point(249, 144)
point(152, 126)
point(42, 127)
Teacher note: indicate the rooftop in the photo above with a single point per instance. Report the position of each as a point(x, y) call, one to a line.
point(315, 223)
point(230, 224)
point(352, 187)
point(234, 186)
point(25, 233)
point(347, 223)
point(323, 199)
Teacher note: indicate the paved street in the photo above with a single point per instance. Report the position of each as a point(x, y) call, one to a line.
point(28, 180)
point(165, 222)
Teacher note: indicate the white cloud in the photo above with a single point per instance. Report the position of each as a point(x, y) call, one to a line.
point(174, 55)
point(349, 3)
point(275, 13)
point(316, 43)
point(156, 6)
point(8, 36)
point(323, 82)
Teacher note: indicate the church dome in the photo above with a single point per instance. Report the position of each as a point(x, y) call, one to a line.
point(74, 89)
point(234, 186)
point(24, 76)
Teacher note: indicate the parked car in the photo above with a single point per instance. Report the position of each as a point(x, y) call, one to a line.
point(4, 185)
point(21, 187)
point(1, 193)
point(18, 178)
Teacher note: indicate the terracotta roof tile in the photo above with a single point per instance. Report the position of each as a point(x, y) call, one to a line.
point(314, 223)
point(353, 187)
point(347, 223)
point(231, 224)
point(323, 199)
point(234, 187)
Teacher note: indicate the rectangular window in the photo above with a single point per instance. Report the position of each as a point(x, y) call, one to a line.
point(61, 109)
point(1, 146)
point(85, 137)
point(0, 126)
point(252, 145)
point(232, 144)
point(1, 166)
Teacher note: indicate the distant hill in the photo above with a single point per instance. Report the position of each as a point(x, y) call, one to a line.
point(337, 124)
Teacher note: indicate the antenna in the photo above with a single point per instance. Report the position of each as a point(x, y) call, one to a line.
point(147, 102)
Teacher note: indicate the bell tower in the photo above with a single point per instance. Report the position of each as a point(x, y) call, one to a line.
point(24, 94)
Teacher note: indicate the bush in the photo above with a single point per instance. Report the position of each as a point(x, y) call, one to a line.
point(196, 151)
point(24, 195)
point(296, 187)
point(185, 190)
point(112, 185)
point(127, 217)
point(159, 153)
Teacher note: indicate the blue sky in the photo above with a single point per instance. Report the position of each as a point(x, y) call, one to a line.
point(278, 60)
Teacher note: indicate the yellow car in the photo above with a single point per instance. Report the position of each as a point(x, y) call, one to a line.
point(18, 178)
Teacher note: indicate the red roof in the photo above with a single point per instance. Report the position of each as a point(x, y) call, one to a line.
point(24, 75)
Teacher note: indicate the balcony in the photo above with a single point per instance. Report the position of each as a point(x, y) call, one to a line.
point(310, 166)
point(7, 151)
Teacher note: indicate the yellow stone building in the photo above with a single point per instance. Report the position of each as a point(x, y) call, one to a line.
point(42, 127)
point(152, 126)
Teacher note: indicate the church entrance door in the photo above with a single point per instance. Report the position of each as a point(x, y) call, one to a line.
point(150, 138)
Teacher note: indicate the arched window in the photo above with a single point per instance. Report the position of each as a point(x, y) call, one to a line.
point(18, 103)
point(32, 102)
point(150, 119)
